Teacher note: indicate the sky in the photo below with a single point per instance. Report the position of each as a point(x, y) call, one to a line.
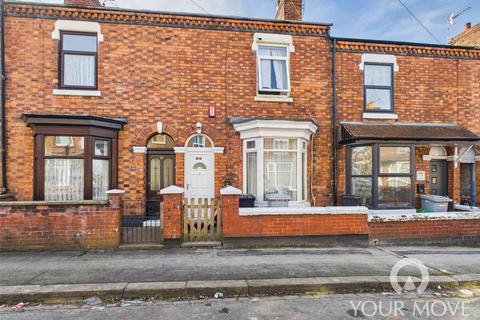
point(368, 19)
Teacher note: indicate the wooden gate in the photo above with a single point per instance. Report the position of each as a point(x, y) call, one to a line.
point(202, 220)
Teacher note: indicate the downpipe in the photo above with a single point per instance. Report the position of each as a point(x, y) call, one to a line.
point(3, 77)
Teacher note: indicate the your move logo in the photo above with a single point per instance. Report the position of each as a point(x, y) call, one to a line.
point(409, 283)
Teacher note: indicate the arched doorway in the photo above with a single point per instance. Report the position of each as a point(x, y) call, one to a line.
point(160, 169)
point(199, 167)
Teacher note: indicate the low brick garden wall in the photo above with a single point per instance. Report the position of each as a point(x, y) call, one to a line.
point(35, 225)
point(426, 228)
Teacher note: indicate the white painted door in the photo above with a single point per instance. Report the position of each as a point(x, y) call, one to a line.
point(199, 175)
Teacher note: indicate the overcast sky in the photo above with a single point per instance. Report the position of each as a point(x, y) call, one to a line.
point(372, 19)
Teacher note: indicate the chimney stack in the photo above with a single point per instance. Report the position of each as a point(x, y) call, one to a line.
point(289, 10)
point(83, 3)
point(467, 26)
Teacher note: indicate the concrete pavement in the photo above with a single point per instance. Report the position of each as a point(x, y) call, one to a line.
point(188, 272)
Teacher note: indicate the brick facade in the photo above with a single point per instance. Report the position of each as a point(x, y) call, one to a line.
point(469, 37)
point(152, 67)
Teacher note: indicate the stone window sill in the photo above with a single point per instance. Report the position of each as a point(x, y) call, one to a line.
point(380, 116)
point(83, 93)
point(273, 98)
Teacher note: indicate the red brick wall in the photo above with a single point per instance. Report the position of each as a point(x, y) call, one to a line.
point(59, 226)
point(283, 225)
point(425, 229)
point(154, 73)
point(427, 89)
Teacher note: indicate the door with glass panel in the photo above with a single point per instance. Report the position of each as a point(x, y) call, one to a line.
point(161, 174)
point(438, 177)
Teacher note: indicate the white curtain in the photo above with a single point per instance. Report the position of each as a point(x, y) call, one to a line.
point(101, 177)
point(79, 70)
point(63, 179)
point(273, 71)
point(280, 173)
point(252, 173)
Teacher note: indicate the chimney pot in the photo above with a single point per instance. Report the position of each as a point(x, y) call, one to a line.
point(467, 26)
point(289, 10)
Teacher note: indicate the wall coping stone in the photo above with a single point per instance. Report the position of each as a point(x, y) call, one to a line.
point(230, 191)
point(430, 216)
point(53, 203)
point(115, 191)
point(172, 190)
point(301, 211)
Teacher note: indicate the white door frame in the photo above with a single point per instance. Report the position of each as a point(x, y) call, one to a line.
point(208, 158)
point(210, 163)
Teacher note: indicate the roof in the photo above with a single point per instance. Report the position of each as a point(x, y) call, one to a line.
point(73, 119)
point(468, 37)
point(352, 132)
point(243, 120)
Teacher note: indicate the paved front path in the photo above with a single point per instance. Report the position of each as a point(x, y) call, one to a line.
point(221, 264)
point(293, 307)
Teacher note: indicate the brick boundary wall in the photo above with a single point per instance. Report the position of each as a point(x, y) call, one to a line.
point(461, 231)
point(37, 225)
point(288, 225)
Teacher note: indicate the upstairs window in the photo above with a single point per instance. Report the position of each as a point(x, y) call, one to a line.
point(378, 87)
point(273, 69)
point(78, 61)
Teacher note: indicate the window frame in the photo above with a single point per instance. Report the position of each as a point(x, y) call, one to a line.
point(90, 135)
point(376, 174)
point(301, 154)
point(391, 88)
point(61, 61)
point(259, 73)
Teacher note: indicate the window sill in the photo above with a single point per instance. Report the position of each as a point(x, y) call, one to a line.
point(83, 93)
point(273, 98)
point(380, 115)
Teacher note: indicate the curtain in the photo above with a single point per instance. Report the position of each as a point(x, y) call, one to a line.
point(63, 179)
point(280, 173)
point(101, 177)
point(79, 70)
point(273, 71)
point(252, 173)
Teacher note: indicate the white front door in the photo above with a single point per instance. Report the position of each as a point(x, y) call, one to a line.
point(199, 174)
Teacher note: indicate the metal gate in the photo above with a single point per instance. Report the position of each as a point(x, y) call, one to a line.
point(202, 220)
point(138, 227)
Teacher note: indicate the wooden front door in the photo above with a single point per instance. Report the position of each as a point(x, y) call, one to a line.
point(160, 174)
point(438, 177)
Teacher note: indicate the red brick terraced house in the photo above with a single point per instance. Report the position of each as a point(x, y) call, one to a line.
point(104, 98)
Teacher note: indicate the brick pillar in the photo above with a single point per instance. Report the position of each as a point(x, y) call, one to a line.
point(172, 215)
point(115, 201)
point(230, 216)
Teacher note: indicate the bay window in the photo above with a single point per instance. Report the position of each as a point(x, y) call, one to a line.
point(276, 166)
point(75, 156)
point(381, 175)
point(275, 158)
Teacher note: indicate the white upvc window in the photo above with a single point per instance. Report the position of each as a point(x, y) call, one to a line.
point(275, 166)
point(273, 69)
point(273, 65)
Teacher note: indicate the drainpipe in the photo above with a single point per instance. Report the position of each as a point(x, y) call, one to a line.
point(334, 123)
point(3, 78)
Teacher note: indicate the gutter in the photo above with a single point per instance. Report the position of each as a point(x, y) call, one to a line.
point(334, 123)
point(3, 78)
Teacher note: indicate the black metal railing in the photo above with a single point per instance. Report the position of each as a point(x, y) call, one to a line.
point(142, 222)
